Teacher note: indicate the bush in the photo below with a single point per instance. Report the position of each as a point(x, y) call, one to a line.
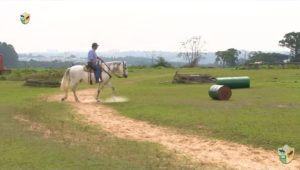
point(2, 78)
point(161, 62)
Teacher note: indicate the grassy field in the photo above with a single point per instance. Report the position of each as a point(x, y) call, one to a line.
point(47, 135)
point(266, 115)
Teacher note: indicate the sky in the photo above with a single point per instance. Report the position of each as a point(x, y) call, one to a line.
point(151, 25)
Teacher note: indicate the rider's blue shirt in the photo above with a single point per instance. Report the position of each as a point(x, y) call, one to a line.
point(92, 56)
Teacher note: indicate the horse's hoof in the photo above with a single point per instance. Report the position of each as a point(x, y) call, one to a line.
point(62, 99)
point(98, 101)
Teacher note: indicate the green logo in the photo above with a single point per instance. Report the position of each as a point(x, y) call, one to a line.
point(25, 18)
point(286, 154)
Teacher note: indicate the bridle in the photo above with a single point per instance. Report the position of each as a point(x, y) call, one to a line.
point(110, 76)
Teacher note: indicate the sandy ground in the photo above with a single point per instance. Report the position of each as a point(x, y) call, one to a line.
point(198, 149)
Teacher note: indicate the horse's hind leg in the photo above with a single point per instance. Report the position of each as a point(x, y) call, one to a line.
point(75, 96)
point(74, 92)
point(66, 95)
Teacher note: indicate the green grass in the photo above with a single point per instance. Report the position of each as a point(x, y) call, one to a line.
point(266, 115)
point(58, 140)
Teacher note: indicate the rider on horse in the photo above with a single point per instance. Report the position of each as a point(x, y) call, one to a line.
point(92, 62)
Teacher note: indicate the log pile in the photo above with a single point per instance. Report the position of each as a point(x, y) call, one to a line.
point(42, 83)
point(193, 78)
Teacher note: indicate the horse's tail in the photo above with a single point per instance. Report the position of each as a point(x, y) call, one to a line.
point(64, 85)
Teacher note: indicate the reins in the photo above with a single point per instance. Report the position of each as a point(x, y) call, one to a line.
point(110, 76)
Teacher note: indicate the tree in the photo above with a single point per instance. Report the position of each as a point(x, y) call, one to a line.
point(228, 57)
point(162, 62)
point(192, 50)
point(292, 41)
point(257, 56)
point(9, 54)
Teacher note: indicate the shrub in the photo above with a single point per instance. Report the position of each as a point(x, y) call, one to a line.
point(161, 62)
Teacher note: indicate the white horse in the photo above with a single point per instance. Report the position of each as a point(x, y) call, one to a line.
point(76, 74)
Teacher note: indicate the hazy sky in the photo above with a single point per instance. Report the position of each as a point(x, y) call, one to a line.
point(147, 25)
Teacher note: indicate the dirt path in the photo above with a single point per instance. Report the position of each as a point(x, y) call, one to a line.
point(198, 149)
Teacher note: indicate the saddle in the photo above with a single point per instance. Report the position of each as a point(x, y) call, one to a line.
point(89, 69)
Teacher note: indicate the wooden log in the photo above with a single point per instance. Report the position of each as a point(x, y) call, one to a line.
point(192, 78)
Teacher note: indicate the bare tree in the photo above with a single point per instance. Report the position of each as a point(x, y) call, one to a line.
point(191, 50)
point(153, 55)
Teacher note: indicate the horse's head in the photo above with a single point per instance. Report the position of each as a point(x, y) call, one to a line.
point(120, 69)
point(125, 69)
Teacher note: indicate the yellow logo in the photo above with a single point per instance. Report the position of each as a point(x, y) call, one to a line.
point(25, 18)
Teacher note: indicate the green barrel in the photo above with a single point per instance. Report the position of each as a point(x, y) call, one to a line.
point(219, 92)
point(234, 82)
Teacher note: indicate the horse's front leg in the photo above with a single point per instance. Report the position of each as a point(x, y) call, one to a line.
point(100, 87)
point(113, 89)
